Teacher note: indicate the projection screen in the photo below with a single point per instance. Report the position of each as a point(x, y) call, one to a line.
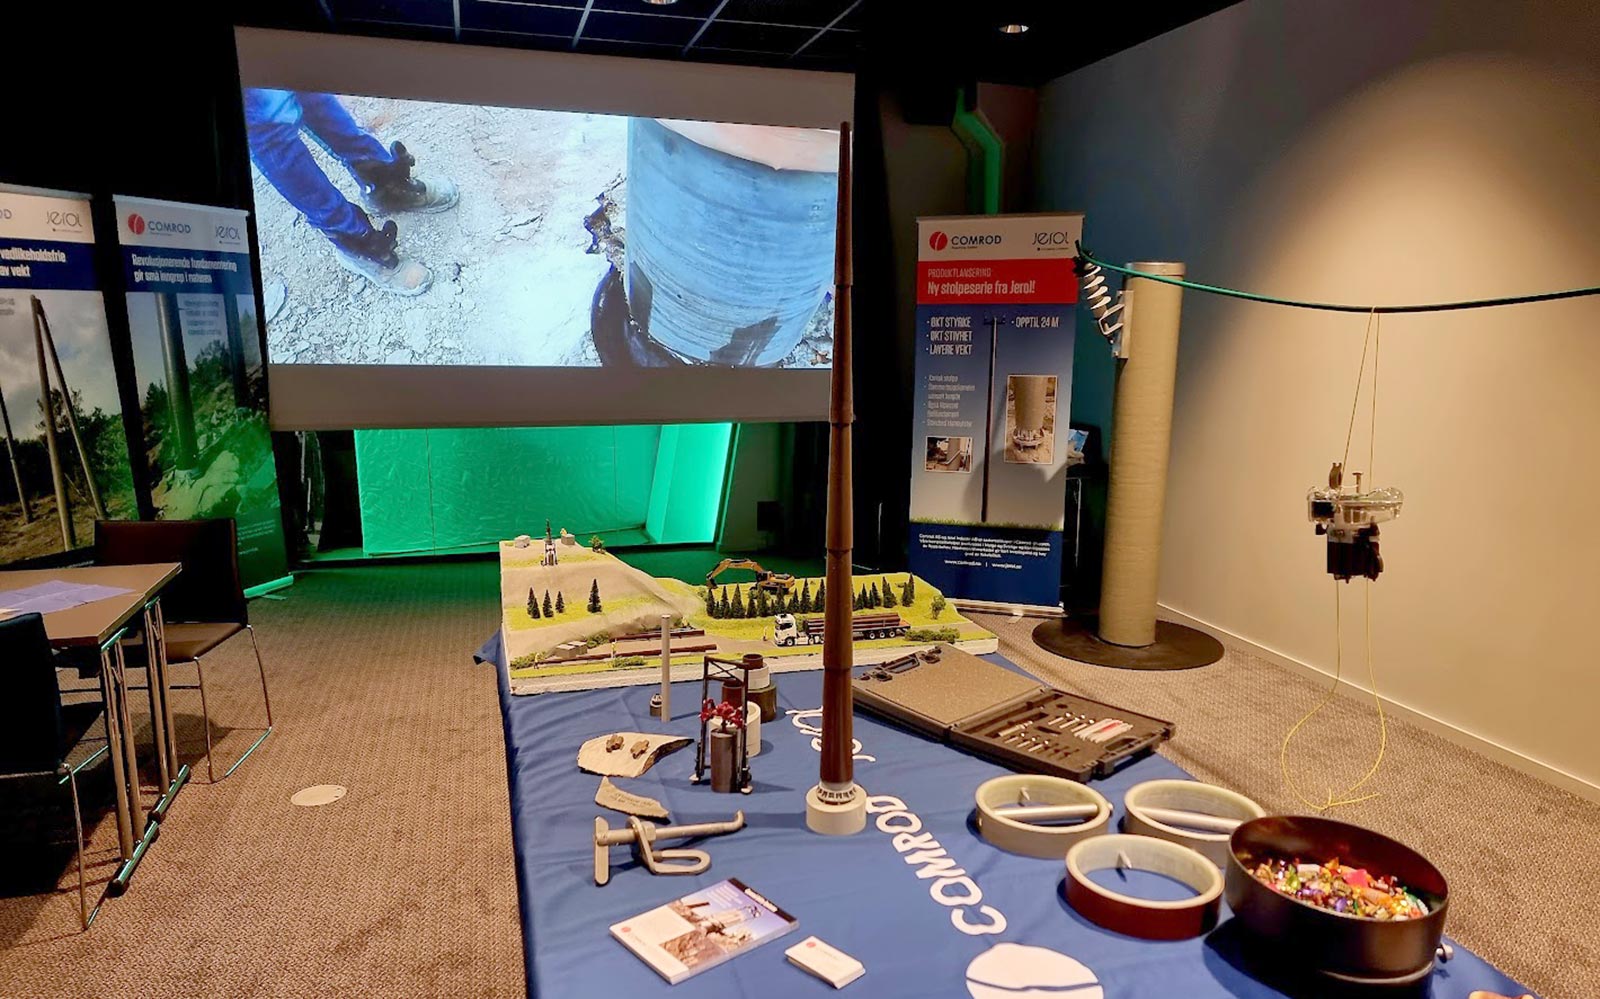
point(457, 236)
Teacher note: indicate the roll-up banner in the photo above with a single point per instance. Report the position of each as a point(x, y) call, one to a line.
point(991, 442)
point(64, 460)
point(195, 325)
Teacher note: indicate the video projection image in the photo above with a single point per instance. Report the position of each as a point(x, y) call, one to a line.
point(408, 232)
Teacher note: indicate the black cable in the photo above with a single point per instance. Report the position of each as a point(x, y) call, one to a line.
point(1086, 258)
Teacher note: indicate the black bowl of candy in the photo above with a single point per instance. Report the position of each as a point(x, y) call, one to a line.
point(1336, 899)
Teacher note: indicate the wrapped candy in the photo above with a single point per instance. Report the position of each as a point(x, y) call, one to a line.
point(1353, 891)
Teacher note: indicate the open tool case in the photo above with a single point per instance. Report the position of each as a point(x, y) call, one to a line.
point(1005, 716)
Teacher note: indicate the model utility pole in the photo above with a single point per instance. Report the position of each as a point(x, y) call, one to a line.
point(836, 806)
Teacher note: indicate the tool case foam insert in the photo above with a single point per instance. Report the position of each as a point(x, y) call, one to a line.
point(1003, 716)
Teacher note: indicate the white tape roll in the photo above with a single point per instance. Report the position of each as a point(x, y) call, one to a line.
point(1150, 807)
point(998, 798)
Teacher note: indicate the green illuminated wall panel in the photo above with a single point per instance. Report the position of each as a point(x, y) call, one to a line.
point(437, 490)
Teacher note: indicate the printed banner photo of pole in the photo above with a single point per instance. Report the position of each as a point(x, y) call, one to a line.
point(45, 347)
point(11, 453)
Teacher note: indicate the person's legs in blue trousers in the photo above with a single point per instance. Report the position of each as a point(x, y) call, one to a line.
point(273, 119)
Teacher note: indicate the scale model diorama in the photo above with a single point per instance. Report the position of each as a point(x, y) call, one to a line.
point(570, 609)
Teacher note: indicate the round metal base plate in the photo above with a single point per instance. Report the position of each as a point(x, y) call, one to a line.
point(1176, 646)
point(318, 794)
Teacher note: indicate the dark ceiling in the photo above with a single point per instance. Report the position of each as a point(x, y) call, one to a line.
point(893, 37)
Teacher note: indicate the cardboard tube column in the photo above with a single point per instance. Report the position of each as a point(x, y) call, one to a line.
point(1141, 442)
point(836, 806)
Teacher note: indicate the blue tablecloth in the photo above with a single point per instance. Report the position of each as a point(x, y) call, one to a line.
point(857, 893)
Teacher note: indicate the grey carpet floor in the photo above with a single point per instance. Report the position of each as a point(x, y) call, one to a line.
point(1522, 857)
point(404, 888)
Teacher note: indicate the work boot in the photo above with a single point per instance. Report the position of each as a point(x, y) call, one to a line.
point(387, 188)
point(374, 256)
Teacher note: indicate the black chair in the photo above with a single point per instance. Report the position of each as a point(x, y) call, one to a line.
point(203, 607)
point(38, 734)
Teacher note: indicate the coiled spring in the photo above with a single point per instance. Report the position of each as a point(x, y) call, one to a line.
point(1099, 299)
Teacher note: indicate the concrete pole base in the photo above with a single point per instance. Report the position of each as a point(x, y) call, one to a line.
point(835, 811)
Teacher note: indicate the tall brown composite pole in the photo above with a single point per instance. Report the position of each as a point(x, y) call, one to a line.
point(836, 806)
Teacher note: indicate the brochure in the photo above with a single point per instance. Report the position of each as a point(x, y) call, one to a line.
point(703, 929)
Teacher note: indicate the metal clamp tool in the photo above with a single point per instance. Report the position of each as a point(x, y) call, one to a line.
point(644, 835)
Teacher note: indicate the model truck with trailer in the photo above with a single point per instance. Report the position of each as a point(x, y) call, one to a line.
point(788, 630)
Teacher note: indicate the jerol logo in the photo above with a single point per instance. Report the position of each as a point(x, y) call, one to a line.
point(59, 219)
point(136, 223)
point(1059, 237)
point(229, 233)
point(938, 240)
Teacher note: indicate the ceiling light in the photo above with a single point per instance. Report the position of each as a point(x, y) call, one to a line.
point(1013, 29)
point(661, 3)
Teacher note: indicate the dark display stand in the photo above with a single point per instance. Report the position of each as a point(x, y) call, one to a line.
point(1176, 646)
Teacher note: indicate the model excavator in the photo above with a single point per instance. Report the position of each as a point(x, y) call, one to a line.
point(772, 582)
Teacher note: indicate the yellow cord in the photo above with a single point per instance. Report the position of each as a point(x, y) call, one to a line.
point(1374, 338)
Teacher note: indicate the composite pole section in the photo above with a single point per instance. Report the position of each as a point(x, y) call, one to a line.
point(58, 475)
point(72, 413)
point(11, 452)
point(836, 806)
point(176, 367)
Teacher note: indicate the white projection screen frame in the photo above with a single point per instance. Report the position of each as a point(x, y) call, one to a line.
point(354, 395)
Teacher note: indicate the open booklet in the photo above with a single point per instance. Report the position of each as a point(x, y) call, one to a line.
point(703, 929)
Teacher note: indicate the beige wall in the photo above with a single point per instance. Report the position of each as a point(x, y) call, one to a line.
point(1373, 151)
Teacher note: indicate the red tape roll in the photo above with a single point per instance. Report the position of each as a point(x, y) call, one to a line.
point(1136, 917)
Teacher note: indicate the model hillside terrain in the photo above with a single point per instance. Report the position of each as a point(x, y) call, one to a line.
point(630, 601)
point(550, 629)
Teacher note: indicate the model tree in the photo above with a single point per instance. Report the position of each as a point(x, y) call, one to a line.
point(859, 602)
point(874, 599)
point(805, 597)
point(724, 609)
point(888, 593)
point(594, 596)
point(738, 601)
point(561, 605)
point(908, 592)
point(822, 594)
point(936, 607)
point(763, 607)
point(711, 601)
point(595, 544)
point(533, 605)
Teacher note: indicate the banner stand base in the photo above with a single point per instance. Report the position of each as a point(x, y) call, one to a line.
point(1176, 646)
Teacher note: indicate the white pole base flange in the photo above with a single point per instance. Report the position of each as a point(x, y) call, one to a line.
point(831, 817)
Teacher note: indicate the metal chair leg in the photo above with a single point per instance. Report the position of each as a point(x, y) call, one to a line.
point(205, 714)
point(85, 916)
point(205, 719)
point(262, 670)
